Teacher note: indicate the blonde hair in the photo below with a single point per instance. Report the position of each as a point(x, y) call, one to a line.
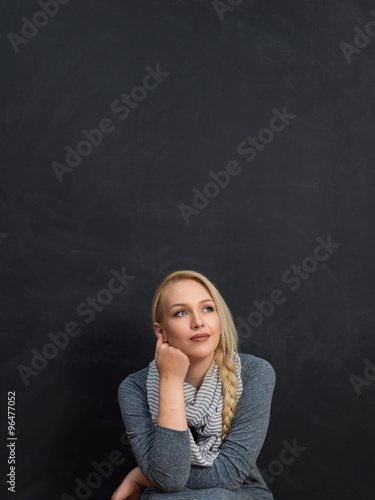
point(227, 343)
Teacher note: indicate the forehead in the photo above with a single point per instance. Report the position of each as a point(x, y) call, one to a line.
point(185, 291)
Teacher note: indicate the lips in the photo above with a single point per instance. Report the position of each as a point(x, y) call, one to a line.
point(200, 336)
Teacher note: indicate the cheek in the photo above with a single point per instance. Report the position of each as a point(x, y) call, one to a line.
point(217, 323)
point(175, 329)
point(215, 328)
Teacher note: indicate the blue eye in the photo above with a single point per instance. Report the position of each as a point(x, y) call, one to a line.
point(209, 307)
point(178, 312)
point(182, 310)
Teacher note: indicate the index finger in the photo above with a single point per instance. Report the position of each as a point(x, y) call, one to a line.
point(160, 340)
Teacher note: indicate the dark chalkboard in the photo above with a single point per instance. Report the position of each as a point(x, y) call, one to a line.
point(234, 138)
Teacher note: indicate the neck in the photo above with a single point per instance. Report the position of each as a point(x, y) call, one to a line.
point(198, 369)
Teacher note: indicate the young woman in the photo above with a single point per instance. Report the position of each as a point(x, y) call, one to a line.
point(197, 416)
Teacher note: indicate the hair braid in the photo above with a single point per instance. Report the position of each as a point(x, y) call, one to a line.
point(227, 371)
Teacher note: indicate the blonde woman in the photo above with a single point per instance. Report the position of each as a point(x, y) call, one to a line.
point(197, 416)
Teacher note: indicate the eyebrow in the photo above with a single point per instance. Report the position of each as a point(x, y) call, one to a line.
point(200, 302)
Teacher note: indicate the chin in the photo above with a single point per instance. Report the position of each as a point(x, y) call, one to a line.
point(201, 353)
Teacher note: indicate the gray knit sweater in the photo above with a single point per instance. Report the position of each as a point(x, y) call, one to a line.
point(163, 454)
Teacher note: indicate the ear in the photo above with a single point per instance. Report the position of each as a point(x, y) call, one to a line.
point(158, 329)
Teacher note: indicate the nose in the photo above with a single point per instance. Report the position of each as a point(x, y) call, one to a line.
point(196, 318)
point(198, 322)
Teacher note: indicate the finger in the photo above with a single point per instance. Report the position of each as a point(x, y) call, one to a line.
point(160, 340)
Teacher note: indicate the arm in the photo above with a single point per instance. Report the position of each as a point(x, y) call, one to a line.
point(172, 412)
point(162, 452)
point(132, 486)
point(240, 450)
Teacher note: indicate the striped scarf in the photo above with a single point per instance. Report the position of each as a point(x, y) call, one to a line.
point(203, 408)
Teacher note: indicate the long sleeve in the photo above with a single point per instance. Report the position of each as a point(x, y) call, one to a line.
point(239, 451)
point(162, 454)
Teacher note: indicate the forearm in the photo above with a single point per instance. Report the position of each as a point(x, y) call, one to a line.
point(214, 477)
point(172, 412)
point(163, 454)
point(170, 458)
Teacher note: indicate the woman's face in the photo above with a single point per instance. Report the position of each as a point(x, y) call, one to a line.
point(188, 309)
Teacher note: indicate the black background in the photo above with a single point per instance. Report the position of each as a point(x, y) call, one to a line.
point(119, 208)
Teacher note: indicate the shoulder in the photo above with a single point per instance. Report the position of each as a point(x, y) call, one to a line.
point(133, 384)
point(253, 367)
